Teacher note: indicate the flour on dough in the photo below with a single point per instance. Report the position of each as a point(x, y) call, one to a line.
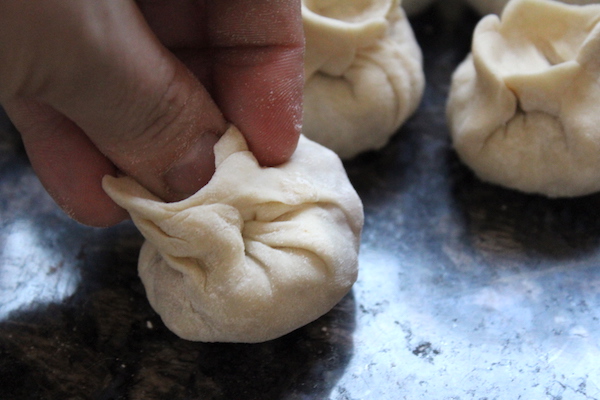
point(523, 106)
point(257, 252)
point(363, 72)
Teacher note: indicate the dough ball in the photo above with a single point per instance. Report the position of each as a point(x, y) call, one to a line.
point(363, 73)
point(257, 252)
point(523, 106)
point(485, 7)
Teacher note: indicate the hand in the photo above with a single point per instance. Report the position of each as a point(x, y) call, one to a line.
point(146, 88)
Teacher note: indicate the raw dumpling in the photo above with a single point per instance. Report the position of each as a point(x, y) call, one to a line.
point(485, 7)
point(257, 252)
point(363, 73)
point(523, 106)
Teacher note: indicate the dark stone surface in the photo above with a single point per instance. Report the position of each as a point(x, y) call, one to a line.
point(466, 290)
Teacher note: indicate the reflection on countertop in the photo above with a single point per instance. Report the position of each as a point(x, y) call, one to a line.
point(466, 290)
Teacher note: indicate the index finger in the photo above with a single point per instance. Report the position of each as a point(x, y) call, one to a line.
point(258, 71)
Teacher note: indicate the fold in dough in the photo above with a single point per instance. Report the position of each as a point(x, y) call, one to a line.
point(523, 106)
point(257, 252)
point(363, 73)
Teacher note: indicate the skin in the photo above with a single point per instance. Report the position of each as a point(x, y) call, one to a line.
point(145, 89)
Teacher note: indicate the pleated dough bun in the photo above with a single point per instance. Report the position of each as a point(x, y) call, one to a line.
point(523, 106)
point(257, 252)
point(363, 73)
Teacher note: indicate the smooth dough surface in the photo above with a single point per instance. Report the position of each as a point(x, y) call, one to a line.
point(257, 252)
point(363, 73)
point(485, 7)
point(523, 106)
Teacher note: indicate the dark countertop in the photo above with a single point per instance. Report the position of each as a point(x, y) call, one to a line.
point(466, 290)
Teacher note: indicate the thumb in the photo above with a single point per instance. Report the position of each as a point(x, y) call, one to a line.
point(112, 96)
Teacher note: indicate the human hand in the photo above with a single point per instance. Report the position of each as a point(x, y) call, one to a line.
point(146, 88)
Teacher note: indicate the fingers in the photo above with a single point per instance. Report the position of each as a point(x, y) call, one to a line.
point(94, 92)
point(135, 101)
point(254, 69)
point(138, 105)
point(258, 73)
point(265, 101)
point(148, 114)
point(66, 162)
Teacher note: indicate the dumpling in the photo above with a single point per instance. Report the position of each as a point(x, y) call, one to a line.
point(523, 106)
point(485, 7)
point(257, 252)
point(363, 72)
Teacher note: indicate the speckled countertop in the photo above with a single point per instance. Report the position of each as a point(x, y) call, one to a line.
point(466, 290)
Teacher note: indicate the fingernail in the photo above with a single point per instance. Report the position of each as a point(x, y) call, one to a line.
point(193, 169)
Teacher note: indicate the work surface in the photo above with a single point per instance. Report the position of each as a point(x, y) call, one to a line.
point(466, 290)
